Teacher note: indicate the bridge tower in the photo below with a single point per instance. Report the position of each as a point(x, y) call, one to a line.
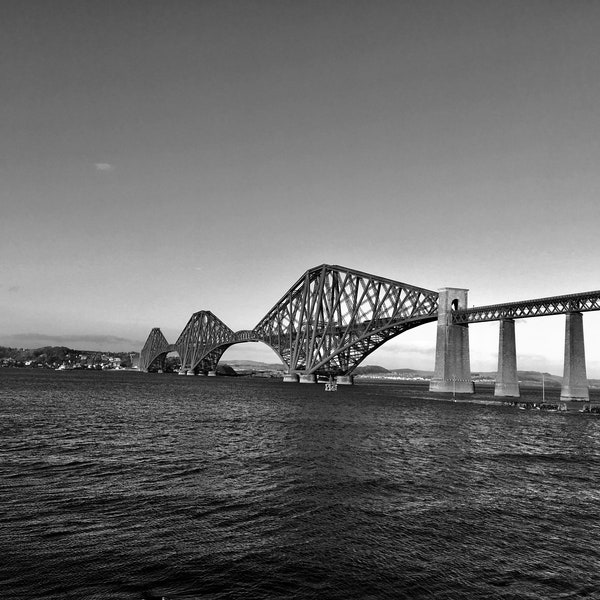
point(452, 363)
point(507, 380)
point(575, 383)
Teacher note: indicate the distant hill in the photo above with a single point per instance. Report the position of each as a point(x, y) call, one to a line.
point(536, 377)
point(253, 365)
point(371, 370)
point(526, 377)
point(58, 354)
point(374, 370)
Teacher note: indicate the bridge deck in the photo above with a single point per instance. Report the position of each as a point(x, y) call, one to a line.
point(540, 307)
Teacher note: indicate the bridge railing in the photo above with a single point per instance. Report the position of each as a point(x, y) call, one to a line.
point(246, 335)
point(540, 307)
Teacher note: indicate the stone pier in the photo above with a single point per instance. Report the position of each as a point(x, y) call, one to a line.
point(308, 378)
point(507, 382)
point(345, 379)
point(290, 377)
point(452, 363)
point(212, 373)
point(575, 383)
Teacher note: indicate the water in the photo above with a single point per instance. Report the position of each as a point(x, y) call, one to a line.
point(132, 486)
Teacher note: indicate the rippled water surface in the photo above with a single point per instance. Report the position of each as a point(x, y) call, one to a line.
point(134, 486)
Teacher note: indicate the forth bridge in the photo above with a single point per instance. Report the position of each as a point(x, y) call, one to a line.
point(333, 317)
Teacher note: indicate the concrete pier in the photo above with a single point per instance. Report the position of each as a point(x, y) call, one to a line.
point(507, 382)
point(575, 384)
point(212, 373)
point(308, 379)
point(452, 362)
point(290, 378)
point(345, 379)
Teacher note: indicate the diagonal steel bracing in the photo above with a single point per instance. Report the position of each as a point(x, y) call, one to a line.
point(541, 307)
point(203, 341)
point(333, 317)
point(155, 349)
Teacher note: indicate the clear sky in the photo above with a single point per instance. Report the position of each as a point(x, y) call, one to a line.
point(164, 157)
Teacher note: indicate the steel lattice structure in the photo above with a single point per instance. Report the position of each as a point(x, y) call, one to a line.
point(204, 339)
point(155, 350)
point(333, 317)
point(542, 307)
point(326, 323)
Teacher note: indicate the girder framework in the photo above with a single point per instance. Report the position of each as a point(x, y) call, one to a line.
point(541, 307)
point(333, 317)
point(156, 347)
point(204, 340)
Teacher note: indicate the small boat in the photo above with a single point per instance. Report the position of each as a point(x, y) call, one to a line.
point(331, 385)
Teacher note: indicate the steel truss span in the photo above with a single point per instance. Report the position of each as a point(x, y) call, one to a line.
point(204, 339)
point(333, 317)
point(155, 350)
point(326, 323)
point(542, 307)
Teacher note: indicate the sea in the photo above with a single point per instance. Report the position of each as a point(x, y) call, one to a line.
point(132, 486)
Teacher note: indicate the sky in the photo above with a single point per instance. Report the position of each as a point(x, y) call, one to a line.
point(163, 157)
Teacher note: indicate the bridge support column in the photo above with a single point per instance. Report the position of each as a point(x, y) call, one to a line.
point(212, 373)
point(345, 379)
point(452, 363)
point(507, 382)
point(575, 383)
point(190, 372)
point(290, 378)
point(308, 378)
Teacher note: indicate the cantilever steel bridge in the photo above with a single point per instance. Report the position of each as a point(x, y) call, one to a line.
point(333, 317)
point(326, 323)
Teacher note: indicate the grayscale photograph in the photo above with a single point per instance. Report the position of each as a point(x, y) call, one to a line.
point(299, 299)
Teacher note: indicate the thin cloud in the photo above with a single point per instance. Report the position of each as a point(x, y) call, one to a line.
point(104, 167)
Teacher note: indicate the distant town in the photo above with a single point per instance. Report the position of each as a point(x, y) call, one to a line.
point(63, 358)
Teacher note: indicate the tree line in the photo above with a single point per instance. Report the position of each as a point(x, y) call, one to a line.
point(57, 355)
